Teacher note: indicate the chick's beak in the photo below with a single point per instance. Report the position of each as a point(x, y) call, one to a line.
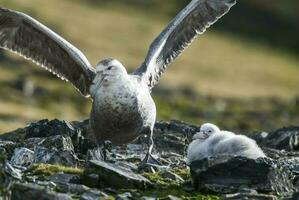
point(200, 135)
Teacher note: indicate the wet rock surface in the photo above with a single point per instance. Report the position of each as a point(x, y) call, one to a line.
point(286, 138)
point(22, 157)
point(46, 128)
point(54, 156)
point(248, 194)
point(59, 160)
point(12, 172)
point(62, 178)
point(30, 191)
point(8, 147)
point(230, 174)
point(113, 175)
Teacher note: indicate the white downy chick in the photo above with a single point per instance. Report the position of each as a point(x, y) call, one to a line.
point(211, 141)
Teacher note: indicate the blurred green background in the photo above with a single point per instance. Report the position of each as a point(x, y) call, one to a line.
point(242, 74)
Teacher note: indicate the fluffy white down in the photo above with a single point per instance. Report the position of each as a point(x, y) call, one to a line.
point(223, 143)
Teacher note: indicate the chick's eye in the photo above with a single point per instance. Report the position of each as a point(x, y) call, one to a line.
point(109, 68)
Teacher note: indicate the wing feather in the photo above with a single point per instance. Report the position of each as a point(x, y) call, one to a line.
point(194, 19)
point(21, 34)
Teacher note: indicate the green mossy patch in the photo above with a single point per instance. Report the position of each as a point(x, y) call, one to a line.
point(48, 170)
point(158, 180)
point(166, 186)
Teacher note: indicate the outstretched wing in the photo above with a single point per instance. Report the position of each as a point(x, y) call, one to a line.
point(27, 37)
point(194, 19)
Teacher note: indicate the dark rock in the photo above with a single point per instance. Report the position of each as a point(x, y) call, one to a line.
point(31, 143)
point(135, 148)
point(13, 172)
point(230, 174)
point(171, 136)
point(72, 188)
point(124, 196)
point(110, 190)
point(3, 152)
point(47, 184)
point(60, 142)
point(174, 160)
point(9, 147)
point(65, 178)
point(177, 127)
point(93, 195)
point(127, 165)
point(169, 141)
point(285, 138)
point(188, 187)
point(287, 159)
point(5, 178)
point(84, 144)
point(294, 196)
point(95, 154)
point(86, 139)
point(171, 176)
point(84, 127)
point(46, 128)
point(238, 196)
point(114, 176)
point(279, 154)
point(22, 191)
point(53, 156)
point(248, 194)
point(22, 157)
point(91, 179)
point(15, 136)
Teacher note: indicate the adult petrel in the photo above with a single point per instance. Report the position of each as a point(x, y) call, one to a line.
point(122, 107)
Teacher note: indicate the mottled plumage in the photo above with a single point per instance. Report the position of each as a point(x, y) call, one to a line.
point(122, 106)
point(121, 111)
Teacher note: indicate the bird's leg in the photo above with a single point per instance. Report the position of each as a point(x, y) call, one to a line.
point(149, 160)
point(106, 148)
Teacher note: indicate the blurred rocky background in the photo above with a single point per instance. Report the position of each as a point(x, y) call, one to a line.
point(242, 74)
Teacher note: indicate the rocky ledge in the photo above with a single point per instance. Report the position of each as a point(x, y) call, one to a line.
point(55, 160)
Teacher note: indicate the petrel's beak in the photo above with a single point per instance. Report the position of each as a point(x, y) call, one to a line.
point(101, 81)
point(200, 136)
point(98, 82)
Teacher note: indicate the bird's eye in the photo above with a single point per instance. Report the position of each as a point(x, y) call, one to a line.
point(109, 68)
point(210, 131)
